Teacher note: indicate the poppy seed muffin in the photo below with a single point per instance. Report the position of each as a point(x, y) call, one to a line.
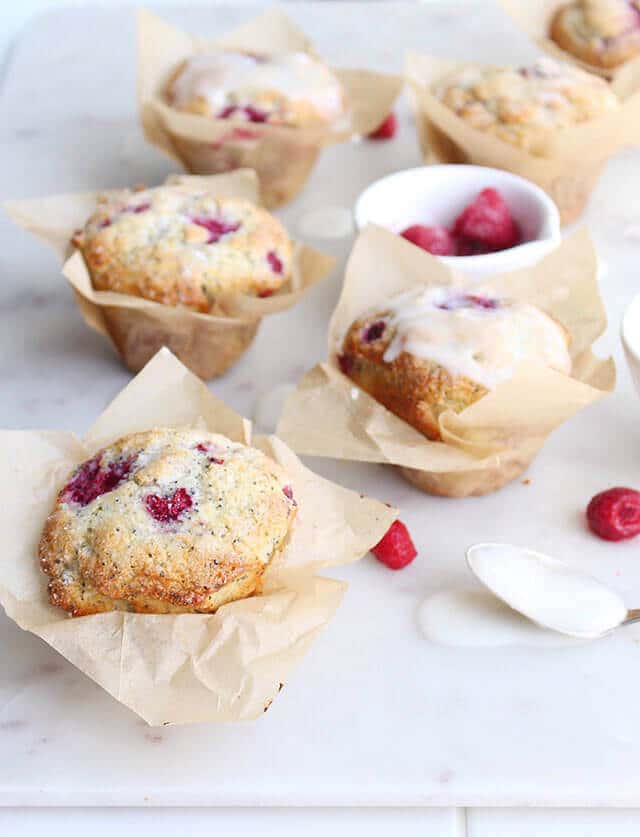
point(166, 521)
point(439, 349)
point(603, 33)
point(186, 249)
point(523, 107)
point(293, 89)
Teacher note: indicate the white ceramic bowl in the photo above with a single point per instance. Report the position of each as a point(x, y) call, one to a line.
point(630, 333)
point(438, 194)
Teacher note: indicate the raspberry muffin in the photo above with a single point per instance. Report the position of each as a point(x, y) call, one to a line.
point(524, 106)
point(166, 521)
point(434, 350)
point(604, 33)
point(293, 89)
point(183, 248)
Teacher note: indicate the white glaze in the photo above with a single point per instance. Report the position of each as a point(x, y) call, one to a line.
point(218, 76)
point(483, 344)
point(547, 590)
point(475, 618)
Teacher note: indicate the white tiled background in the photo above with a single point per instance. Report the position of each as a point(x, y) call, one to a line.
point(14, 17)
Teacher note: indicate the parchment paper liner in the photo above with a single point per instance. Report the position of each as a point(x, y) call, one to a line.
point(570, 161)
point(535, 19)
point(226, 666)
point(283, 157)
point(494, 440)
point(138, 327)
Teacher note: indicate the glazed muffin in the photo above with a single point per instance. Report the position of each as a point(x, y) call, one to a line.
point(293, 89)
point(525, 106)
point(166, 521)
point(182, 248)
point(604, 33)
point(439, 349)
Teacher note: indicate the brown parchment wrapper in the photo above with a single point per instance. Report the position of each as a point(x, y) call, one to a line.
point(282, 156)
point(535, 19)
point(494, 440)
point(569, 162)
point(138, 327)
point(185, 668)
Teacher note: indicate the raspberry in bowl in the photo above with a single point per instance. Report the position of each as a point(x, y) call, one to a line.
point(478, 220)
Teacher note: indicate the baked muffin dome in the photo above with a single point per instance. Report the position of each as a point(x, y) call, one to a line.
point(293, 89)
point(440, 349)
point(604, 33)
point(179, 248)
point(525, 106)
point(178, 521)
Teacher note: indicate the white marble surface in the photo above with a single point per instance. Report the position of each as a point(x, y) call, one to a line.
point(375, 715)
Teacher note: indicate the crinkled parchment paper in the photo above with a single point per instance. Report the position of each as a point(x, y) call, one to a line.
point(186, 668)
point(138, 327)
point(569, 162)
point(492, 441)
point(282, 156)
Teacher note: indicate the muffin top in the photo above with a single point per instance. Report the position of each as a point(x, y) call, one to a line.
point(177, 247)
point(524, 106)
point(601, 32)
point(292, 89)
point(470, 335)
point(165, 520)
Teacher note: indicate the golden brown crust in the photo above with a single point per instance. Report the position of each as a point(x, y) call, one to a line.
point(603, 33)
point(179, 248)
point(166, 521)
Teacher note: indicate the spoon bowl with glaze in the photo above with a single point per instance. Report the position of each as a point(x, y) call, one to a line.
point(549, 592)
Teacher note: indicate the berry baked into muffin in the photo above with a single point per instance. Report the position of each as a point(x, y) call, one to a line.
point(525, 106)
point(604, 33)
point(439, 349)
point(166, 521)
point(183, 248)
point(293, 89)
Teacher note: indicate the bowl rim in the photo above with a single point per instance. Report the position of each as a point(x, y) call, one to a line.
point(551, 212)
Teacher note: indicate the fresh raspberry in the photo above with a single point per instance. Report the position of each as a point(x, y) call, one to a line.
point(216, 227)
point(387, 129)
point(275, 262)
point(437, 240)
point(374, 331)
point(168, 509)
point(615, 514)
point(91, 480)
point(396, 549)
point(250, 113)
point(487, 221)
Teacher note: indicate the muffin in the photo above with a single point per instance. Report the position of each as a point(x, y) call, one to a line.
point(183, 248)
point(604, 33)
point(438, 349)
point(293, 89)
point(166, 521)
point(525, 106)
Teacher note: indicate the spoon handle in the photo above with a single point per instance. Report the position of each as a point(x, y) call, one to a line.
point(632, 616)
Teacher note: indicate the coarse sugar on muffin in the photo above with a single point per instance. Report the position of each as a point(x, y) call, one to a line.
point(293, 89)
point(603, 33)
point(526, 106)
point(438, 349)
point(166, 521)
point(183, 248)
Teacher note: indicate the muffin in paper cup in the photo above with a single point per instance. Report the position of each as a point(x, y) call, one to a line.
point(282, 156)
point(535, 20)
point(489, 443)
point(187, 667)
point(208, 344)
point(567, 164)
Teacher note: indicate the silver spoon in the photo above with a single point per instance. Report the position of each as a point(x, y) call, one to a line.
point(549, 592)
